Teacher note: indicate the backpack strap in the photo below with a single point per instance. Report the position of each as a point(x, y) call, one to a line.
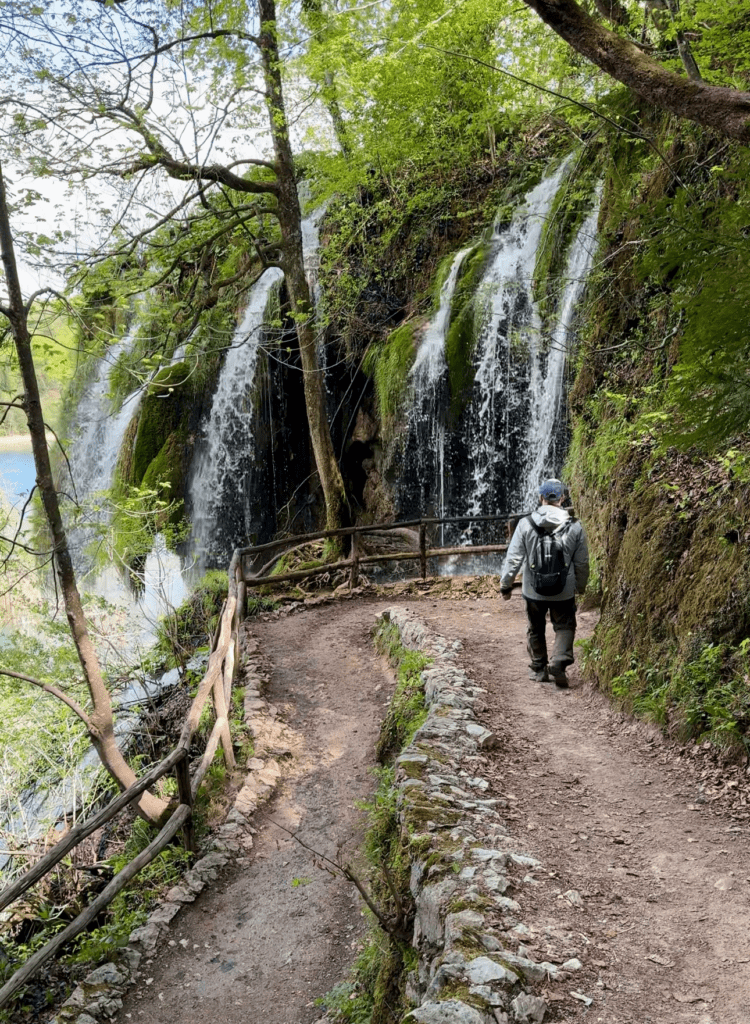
point(537, 529)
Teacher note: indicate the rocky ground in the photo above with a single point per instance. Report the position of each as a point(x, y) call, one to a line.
point(652, 847)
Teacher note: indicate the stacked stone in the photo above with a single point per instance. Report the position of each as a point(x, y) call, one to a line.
point(463, 859)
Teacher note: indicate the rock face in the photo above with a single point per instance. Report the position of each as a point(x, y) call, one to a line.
point(466, 859)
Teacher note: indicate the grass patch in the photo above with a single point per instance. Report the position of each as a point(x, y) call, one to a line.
point(406, 710)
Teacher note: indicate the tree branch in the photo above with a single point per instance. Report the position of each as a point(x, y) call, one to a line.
point(719, 107)
point(48, 688)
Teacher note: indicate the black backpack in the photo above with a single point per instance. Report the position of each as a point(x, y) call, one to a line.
point(548, 562)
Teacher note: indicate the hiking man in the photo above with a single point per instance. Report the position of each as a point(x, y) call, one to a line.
point(553, 550)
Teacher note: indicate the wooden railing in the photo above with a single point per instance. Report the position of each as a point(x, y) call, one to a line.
point(356, 559)
point(217, 684)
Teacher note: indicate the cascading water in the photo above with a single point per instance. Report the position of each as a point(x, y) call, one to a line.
point(546, 449)
point(223, 466)
point(99, 433)
point(511, 433)
point(97, 439)
point(424, 460)
point(251, 446)
point(508, 343)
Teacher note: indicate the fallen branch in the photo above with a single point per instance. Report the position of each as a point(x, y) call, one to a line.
point(393, 926)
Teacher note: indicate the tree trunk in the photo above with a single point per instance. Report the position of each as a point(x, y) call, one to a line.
point(290, 223)
point(723, 109)
point(331, 100)
point(102, 722)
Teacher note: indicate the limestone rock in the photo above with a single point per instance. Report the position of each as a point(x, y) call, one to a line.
point(528, 1009)
point(107, 974)
point(431, 909)
point(451, 1011)
point(489, 995)
point(164, 913)
point(445, 974)
point(482, 970)
point(146, 937)
point(457, 924)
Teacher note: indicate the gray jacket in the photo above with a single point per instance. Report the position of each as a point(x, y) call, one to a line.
point(576, 548)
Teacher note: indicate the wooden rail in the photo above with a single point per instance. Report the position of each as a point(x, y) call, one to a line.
point(356, 559)
point(217, 684)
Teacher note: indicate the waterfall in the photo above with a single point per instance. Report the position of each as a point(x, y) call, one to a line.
point(98, 432)
point(511, 432)
point(251, 446)
point(223, 465)
point(508, 345)
point(424, 457)
point(545, 453)
point(97, 439)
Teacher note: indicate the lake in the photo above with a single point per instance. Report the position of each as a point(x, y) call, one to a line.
point(17, 473)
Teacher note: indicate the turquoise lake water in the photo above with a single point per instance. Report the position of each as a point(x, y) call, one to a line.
point(17, 475)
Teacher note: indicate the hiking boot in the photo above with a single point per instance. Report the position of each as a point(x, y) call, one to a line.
point(539, 675)
point(558, 674)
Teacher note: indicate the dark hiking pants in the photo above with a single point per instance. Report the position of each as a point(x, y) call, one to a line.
point(563, 617)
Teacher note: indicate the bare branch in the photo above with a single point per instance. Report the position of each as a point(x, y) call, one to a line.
point(48, 688)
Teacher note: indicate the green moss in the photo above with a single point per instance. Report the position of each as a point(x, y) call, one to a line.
point(460, 991)
point(389, 364)
point(412, 769)
point(406, 709)
point(163, 410)
point(572, 202)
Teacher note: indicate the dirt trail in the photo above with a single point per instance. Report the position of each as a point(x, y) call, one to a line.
point(276, 933)
point(663, 932)
point(607, 808)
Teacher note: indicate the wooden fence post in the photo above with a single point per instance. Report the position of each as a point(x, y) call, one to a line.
point(354, 573)
point(182, 771)
point(423, 549)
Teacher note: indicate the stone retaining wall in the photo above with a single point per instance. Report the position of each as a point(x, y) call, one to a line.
point(468, 873)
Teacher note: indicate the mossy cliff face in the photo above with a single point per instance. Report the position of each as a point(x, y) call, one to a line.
point(157, 447)
point(387, 249)
point(661, 482)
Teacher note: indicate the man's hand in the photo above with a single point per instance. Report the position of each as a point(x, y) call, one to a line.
point(506, 594)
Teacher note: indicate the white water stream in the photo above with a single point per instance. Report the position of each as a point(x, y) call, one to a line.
point(511, 433)
point(93, 456)
point(223, 457)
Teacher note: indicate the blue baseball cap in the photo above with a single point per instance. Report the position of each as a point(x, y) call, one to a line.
point(552, 490)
